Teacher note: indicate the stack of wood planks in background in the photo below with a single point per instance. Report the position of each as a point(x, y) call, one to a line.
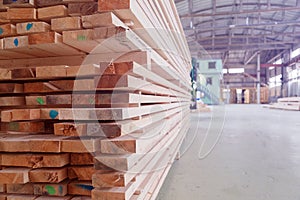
point(288, 103)
point(94, 98)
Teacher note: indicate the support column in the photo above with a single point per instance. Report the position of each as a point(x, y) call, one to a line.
point(258, 79)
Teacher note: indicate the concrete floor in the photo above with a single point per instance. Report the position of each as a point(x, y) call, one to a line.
point(257, 156)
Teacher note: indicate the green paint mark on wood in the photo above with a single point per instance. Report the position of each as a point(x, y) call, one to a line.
point(91, 101)
point(13, 126)
point(40, 101)
point(81, 38)
point(50, 190)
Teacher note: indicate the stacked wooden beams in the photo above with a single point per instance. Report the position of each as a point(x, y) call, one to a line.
point(289, 103)
point(94, 103)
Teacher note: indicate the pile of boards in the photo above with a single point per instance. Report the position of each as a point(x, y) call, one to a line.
point(94, 98)
point(288, 103)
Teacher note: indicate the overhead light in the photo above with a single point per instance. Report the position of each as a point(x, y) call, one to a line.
point(191, 24)
point(231, 26)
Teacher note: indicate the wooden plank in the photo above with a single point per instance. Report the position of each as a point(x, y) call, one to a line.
point(74, 145)
point(35, 160)
point(48, 175)
point(35, 100)
point(21, 14)
point(79, 9)
point(19, 188)
point(21, 197)
point(51, 42)
point(54, 198)
point(66, 24)
point(31, 143)
point(59, 100)
point(45, 3)
point(48, 13)
point(80, 188)
point(57, 189)
point(11, 88)
point(12, 101)
point(81, 159)
point(18, 3)
point(4, 17)
point(82, 173)
point(108, 19)
point(51, 71)
point(14, 176)
point(7, 30)
point(70, 129)
point(82, 198)
point(20, 114)
point(136, 143)
point(24, 127)
point(32, 27)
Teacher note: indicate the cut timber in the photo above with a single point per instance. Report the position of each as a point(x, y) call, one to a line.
point(107, 19)
point(19, 115)
point(51, 42)
point(4, 17)
point(7, 30)
point(49, 13)
point(14, 176)
point(19, 188)
point(22, 14)
point(45, 3)
point(12, 101)
point(11, 88)
point(9, 74)
point(80, 145)
point(51, 71)
point(18, 3)
point(24, 127)
point(35, 100)
point(112, 113)
point(31, 143)
point(56, 189)
point(32, 27)
point(81, 159)
point(79, 9)
point(70, 129)
point(80, 188)
point(66, 24)
point(35, 160)
point(54, 198)
point(82, 173)
point(21, 197)
point(48, 175)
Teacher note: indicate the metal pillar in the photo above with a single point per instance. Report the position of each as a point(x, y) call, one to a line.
point(258, 79)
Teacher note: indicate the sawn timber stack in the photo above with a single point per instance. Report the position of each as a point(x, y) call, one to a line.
point(94, 98)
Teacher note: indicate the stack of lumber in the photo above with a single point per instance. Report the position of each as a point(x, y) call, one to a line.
point(289, 103)
point(94, 98)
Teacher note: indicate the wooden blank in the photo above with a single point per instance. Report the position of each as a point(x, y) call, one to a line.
point(81, 159)
point(19, 3)
point(79, 9)
point(66, 24)
point(48, 175)
point(32, 27)
point(70, 129)
point(22, 14)
point(19, 188)
point(79, 188)
point(54, 189)
point(107, 19)
point(49, 13)
point(35, 160)
point(7, 30)
point(14, 176)
point(27, 127)
point(21, 197)
point(82, 173)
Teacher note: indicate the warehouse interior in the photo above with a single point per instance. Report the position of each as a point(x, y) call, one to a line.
point(243, 150)
point(149, 100)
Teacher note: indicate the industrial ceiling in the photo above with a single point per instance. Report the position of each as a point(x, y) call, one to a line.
point(236, 30)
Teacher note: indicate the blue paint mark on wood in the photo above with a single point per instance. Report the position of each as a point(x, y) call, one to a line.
point(85, 187)
point(16, 42)
point(60, 189)
point(29, 26)
point(53, 114)
point(1, 31)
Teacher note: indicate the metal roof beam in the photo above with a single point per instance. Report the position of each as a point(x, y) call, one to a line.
point(239, 12)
